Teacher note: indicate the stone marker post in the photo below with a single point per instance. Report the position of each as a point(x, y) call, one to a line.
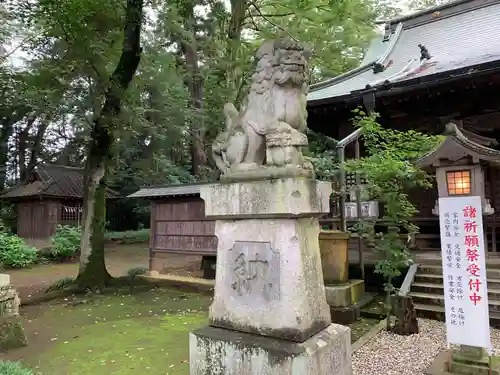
point(11, 328)
point(269, 314)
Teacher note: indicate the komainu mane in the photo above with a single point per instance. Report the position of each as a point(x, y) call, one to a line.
point(265, 138)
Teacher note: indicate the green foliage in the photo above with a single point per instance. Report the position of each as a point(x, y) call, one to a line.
point(136, 271)
point(14, 368)
point(66, 241)
point(8, 217)
point(322, 153)
point(129, 236)
point(390, 173)
point(14, 252)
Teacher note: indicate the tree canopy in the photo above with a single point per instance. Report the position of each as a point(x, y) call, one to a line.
point(80, 87)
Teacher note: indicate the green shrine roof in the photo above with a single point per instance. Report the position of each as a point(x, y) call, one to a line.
point(461, 34)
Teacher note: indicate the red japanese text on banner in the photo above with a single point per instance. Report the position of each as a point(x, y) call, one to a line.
point(464, 271)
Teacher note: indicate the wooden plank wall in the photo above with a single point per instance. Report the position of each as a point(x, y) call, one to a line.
point(179, 225)
point(34, 220)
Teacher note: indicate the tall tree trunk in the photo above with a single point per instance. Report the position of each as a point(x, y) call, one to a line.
point(194, 83)
point(9, 116)
point(93, 274)
point(5, 134)
point(233, 77)
point(36, 146)
point(23, 140)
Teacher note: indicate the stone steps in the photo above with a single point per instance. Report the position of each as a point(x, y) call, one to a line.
point(438, 299)
point(437, 312)
point(427, 291)
point(438, 288)
point(438, 279)
point(435, 269)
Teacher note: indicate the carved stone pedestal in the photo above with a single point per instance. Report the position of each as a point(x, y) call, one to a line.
point(219, 351)
point(269, 314)
point(11, 329)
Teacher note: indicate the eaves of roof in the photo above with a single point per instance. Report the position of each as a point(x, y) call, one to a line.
point(465, 34)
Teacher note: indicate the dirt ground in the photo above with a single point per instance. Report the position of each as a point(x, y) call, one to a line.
point(32, 282)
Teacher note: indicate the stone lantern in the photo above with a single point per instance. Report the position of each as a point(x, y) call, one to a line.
point(459, 163)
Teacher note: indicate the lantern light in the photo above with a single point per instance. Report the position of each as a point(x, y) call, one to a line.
point(459, 182)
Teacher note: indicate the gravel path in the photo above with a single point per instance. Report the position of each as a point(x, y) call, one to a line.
point(390, 354)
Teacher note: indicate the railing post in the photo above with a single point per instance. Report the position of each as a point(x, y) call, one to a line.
point(342, 183)
point(357, 155)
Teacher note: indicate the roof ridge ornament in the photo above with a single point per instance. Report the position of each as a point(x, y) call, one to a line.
point(378, 67)
point(424, 53)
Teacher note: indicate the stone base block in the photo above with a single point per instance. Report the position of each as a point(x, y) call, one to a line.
point(345, 315)
point(12, 333)
point(217, 351)
point(345, 294)
point(269, 279)
point(279, 198)
point(473, 361)
point(4, 279)
point(460, 365)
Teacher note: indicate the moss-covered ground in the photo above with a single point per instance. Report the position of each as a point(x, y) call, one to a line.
point(120, 334)
point(125, 333)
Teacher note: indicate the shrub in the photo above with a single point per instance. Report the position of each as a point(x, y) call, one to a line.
point(14, 368)
point(136, 271)
point(66, 241)
point(14, 252)
point(129, 236)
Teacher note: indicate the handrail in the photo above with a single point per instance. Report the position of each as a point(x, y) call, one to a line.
point(353, 137)
point(350, 138)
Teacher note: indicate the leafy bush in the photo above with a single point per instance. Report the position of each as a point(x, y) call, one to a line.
point(136, 271)
point(390, 172)
point(8, 217)
point(129, 236)
point(14, 368)
point(66, 241)
point(14, 252)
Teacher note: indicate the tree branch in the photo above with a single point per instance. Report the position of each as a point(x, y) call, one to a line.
point(271, 22)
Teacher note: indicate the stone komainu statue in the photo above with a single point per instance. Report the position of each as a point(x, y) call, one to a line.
point(265, 138)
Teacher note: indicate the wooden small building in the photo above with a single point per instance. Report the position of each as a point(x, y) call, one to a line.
point(52, 196)
point(178, 223)
point(428, 69)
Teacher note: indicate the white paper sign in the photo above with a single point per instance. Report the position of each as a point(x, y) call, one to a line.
point(464, 271)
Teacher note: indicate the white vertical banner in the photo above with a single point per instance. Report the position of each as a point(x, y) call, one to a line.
point(464, 271)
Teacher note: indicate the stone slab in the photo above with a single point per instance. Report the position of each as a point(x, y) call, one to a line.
point(280, 198)
point(441, 365)
point(4, 279)
point(269, 279)
point(349, 314)
point(473, 369)
point(346, 294)
point(216, 351)
point(345, 315)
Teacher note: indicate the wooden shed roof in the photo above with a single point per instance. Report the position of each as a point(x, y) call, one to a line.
point(169, 190)
point(51, 180)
